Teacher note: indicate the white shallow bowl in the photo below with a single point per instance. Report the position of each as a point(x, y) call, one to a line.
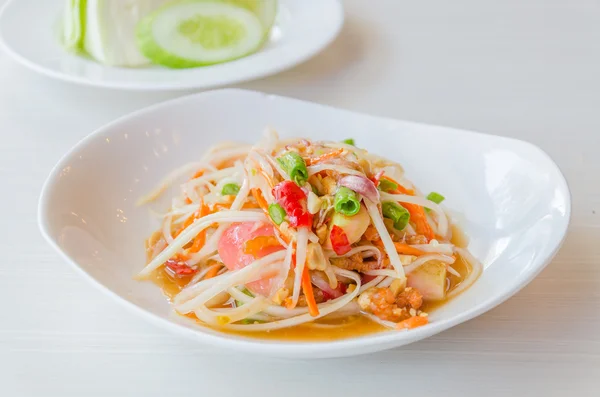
point(302, 29)
point(512, 199)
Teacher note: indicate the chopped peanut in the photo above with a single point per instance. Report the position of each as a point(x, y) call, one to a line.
point(321, 232)
point(397, 286)
point(281, 295)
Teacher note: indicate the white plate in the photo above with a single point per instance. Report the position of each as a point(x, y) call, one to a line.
point(29, 31)
point(513, 200)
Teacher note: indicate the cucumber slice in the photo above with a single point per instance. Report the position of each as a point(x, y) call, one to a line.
point(188, 34)
point(74, 24)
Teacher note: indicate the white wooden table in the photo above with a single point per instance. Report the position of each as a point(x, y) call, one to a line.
point(525, 69)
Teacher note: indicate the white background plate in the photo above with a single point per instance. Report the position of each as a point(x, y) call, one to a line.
point(303, 28)
point(513, 200)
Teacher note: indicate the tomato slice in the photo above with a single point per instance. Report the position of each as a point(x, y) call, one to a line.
point(235, 244)
point(339, 240)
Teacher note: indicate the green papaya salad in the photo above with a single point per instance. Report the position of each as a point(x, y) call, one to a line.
point(169, 33)
point(290, 233)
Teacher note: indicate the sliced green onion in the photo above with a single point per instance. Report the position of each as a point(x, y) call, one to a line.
point(294, 166)
point(346, 201)
point(277, 213)
point(386, 185)
point(435, 197)
point(231, 189)
point(249, 321)
point(349, 141)
point(396, 213)
point(245, 291)
point(314, 189)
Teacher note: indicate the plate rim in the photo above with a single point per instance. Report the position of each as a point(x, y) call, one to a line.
point(172, 85)
point(299, 349)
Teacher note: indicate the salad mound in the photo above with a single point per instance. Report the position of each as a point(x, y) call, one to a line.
point(290, 233)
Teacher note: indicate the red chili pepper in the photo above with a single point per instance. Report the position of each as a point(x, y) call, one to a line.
point(375, 178)
point(365, 278)
point(339, 240)
point(179, 267)
point(339, 291)
point(293, 200)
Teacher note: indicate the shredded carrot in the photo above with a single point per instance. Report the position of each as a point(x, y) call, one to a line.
point(406, 249)
point(401, 189)
point(323, 157)
point(262, 203)
point(202, 211)
point(200, 239)
point(212, 272)
point(417, 213)
point(412, 322)
point(308, 293)
point(222, 207)
point(188, 200)
point(198, 174)
point(198, 243)
point(187, 222)
point(250, 205)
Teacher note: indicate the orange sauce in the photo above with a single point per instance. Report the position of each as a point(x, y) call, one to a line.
point(169, 285)
point(347, 327)
point(452, 281)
